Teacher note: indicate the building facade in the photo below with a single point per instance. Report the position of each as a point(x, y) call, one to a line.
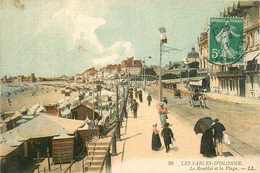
point(131, 67)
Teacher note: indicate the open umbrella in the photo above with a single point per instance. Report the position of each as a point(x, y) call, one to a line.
point(203, 124)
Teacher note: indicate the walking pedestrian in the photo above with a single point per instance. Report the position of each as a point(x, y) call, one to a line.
point(149, 99)
point(156, 142)
point(165, 100)
point(163, 114)
point(207, 148)
point(9, 101)
point(124, 109)
point(218, 129)
point(135, 108)
point(140, 96)
point(167, 136)
point(136, 95)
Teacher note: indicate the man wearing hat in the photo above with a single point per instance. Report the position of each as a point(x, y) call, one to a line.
point(134, 108)
point(218, 129)
point(149, 99)
point(167, 136)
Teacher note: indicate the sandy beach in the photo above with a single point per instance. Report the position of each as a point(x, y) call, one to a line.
point(45, 96)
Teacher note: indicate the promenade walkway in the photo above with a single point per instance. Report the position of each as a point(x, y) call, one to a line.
point(135, 153)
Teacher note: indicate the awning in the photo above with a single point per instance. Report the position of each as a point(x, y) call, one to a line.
point(180, 69)
point(197, 81)
point(252, 55)
point(171, 81)
point(178, 80)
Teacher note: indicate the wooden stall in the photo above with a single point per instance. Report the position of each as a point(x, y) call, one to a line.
point(52, 109)
point(63, 149)
point(82, 111)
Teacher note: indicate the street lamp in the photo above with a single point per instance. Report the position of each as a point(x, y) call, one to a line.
point(163, 40)
point(144, 78)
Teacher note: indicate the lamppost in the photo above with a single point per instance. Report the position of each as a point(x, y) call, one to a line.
point(144, 78)
point(163, 40)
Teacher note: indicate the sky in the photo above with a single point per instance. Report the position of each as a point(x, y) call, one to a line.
point(54, 37)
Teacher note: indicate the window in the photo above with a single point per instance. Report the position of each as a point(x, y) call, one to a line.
point(251, 41)
point(257, 39)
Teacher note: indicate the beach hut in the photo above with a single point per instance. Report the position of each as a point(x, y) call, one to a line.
point(8, 114)
point(3, 127)
point(62, 91)
point(23, 110)
point(82, 111)
point(65, 113)
point(17, 116)
point(31, 111)
point(63, 148)
point(40, 109)
point(67, 92)
point(11, 154)
point(51, 109)
point(85, 133)
point(8, 123)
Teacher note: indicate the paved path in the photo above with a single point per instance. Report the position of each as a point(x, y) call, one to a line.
point(135, 153)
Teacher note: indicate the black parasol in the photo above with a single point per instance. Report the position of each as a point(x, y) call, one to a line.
point(203, 124)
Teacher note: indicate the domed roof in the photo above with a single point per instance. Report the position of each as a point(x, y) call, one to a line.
point(193, 54)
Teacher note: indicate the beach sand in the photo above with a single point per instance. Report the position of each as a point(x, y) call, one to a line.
point(26, 98)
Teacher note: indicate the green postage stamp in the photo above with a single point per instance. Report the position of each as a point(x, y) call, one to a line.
point(226, 40)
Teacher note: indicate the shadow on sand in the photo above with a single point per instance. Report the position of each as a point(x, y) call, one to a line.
point(131, 136)
point(227, 154)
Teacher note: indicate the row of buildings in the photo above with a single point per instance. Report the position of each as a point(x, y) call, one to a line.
point(128, 67)
point(239, 79)
point(18, 79)
point(32, 78)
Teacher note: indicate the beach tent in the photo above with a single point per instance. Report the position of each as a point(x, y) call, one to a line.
point(21, 121)
point(36, 106)
point(23, 110)
point(40, 109)
point(16, 116)
point(66, 113)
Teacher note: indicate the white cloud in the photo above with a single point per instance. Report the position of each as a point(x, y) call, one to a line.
point(115, 53)
point(106, 59)
point(79, 25)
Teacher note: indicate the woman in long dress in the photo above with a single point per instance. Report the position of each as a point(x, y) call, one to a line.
point(227, 53)
point(156, 142)
point(207, 147)
point(163, 115)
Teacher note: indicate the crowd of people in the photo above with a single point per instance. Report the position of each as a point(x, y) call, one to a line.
point(166, 132)
point(34, 89)
point(211, 141)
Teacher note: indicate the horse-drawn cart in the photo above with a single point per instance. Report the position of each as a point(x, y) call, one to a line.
point(177, 93)
point(198, 99)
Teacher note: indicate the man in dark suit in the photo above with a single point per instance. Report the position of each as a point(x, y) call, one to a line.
point(167, 136)
point(218, 136)
point(134, 108)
